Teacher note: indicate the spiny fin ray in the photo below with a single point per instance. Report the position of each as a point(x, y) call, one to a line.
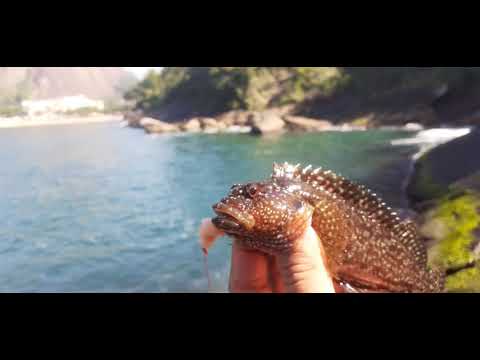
point(363, 200)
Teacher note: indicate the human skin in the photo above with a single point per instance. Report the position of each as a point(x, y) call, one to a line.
point(299, 270)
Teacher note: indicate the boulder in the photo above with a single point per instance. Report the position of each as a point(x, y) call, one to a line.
point(234, 118)
point(263, 123)
point(438, 169)
point(298, 123)
point(212, 126)
point(147, 121)
point(159, 127)
point(133, 118)
point(192, 125)
point(208, 122)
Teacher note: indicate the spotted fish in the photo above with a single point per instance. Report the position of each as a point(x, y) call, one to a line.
point(367, 247)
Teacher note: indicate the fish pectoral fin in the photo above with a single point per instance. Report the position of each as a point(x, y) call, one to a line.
point(344, 287)
point(358, 281)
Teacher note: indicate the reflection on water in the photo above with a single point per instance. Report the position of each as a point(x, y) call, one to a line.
point(102, 208)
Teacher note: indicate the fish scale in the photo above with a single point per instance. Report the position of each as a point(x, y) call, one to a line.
point(367, 246)
point(364, 201)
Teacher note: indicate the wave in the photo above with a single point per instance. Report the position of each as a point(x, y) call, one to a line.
point(428, 139)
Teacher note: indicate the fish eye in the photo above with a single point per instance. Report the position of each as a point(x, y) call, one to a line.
point(252, 190)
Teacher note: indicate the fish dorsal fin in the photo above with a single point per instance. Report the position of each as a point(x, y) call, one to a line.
point(285, 170)
point(356, 195)
point(363, 200)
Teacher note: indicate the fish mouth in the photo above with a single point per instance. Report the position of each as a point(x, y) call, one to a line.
point(231, 219)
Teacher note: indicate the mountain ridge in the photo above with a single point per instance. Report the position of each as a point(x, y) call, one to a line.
point(37, 83)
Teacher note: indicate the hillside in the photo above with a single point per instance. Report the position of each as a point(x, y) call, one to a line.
point(50, 82)
point(182, 92)
point(339, 94)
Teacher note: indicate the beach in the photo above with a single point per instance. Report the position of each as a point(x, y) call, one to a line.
point(55, 119)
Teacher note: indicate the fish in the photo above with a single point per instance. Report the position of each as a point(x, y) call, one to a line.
point(366, 246)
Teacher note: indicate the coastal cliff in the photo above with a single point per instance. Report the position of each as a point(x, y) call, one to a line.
point(273, 99)
point(444, 190)
point(345, 97)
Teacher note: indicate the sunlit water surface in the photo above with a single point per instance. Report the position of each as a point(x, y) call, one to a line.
point(100, 208)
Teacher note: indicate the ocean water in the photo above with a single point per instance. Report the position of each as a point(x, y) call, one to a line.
point(101, 208)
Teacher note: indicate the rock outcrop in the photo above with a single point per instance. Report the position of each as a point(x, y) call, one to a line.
point(267, 122)
point(158, 127)
point(148, 122)
point(192, 125)
point(212, 126)
point(234, 118)
point(451, 227)
point(303, 124)
point(444, 165)
point(445, 191)
point(133, 118)
point(256, 123)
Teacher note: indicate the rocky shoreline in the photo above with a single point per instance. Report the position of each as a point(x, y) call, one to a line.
point(444, 195)
point(275, 121)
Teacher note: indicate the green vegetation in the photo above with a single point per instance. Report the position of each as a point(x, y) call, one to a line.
point(10, 102)
point(374, 81)
point(304, 81)
point(11, 110)
point(10, 105)
point(155, 87)
point(216, 89)
point(23, 91)
point(452, 224)
point(459, 217)
point(465, 281)
point(362, 121)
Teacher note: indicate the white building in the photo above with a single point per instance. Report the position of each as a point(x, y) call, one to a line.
point(61, 105)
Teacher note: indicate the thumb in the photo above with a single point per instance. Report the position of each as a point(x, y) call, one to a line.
point(302, 268)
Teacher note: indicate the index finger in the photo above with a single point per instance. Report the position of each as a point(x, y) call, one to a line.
point(249, 271)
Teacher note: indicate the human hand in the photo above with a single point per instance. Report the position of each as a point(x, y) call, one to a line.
point(301, 270)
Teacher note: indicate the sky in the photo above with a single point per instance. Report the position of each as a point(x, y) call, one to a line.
point(140, 72)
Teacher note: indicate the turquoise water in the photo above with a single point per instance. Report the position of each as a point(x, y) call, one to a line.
point(100, 208)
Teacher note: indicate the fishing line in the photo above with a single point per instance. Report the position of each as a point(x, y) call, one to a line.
point(205, 264)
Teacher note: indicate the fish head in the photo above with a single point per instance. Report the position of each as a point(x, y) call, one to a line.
point(266, 216)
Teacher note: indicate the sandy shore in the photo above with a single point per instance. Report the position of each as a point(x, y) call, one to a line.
point(49, 120)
